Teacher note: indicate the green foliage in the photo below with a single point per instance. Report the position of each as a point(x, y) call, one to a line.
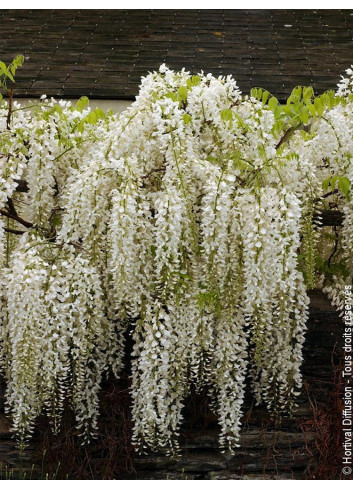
point(183, 94)
point(193, 81)
point(300, 108)
point(81, 104)
point(187, 118)
point(8, 72)
point(227, 115)
point(338, 268)
point(343, 184)
point(92, 118)
point(261, 95)
point(180, 96)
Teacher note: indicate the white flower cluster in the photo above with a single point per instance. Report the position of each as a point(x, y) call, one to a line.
point(57, 338)
point(180, 220)
point(345, 87)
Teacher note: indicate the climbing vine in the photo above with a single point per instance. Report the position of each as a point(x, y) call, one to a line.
point(193, 221)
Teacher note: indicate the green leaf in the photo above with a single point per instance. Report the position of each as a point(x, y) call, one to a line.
point(226, 115)
point(82, 104)
point(99, 113)
point(173, 96)
point(295, 96)
point(344, 186)
point(278, 112)
point(325, 99)
point(325, 184)
point(193, 81)
point(308, 95)
point(254, 93)
point(265, 96)
point(312, 110)
point(10, 76)
point(241, 122)
point(18, 61)
point(261, 151)
point(289, 109)
point(272, 103)
point(92, 118)
point(294, 121)
point(3, 67)
point(277, 127)
point(319, 106)
point(187, 118)
point(304, 116)
point(334, 179)
point(183, 93)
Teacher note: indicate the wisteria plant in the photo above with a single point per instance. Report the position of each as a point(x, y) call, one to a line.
point(193, 221)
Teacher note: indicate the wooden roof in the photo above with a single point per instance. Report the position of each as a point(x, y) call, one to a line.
point(104, 53)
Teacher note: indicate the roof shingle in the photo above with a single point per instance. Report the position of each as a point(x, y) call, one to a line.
point(104, 53)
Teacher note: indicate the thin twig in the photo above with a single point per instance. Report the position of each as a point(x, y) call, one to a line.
point(19, 219)
point(9, 112)
point(13, 231)
point(335, 247)
point(11, 207)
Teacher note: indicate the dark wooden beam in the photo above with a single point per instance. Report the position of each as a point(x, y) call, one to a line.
point(330, 218)
point(22, 186)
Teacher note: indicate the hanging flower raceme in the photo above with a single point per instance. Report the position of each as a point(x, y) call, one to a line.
point(57, 339)
point(188, 221)
point(276, 304)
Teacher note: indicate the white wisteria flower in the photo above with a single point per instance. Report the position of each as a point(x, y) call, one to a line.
point(189, 221)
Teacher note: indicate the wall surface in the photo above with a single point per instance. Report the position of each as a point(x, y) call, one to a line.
point(117, 106)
